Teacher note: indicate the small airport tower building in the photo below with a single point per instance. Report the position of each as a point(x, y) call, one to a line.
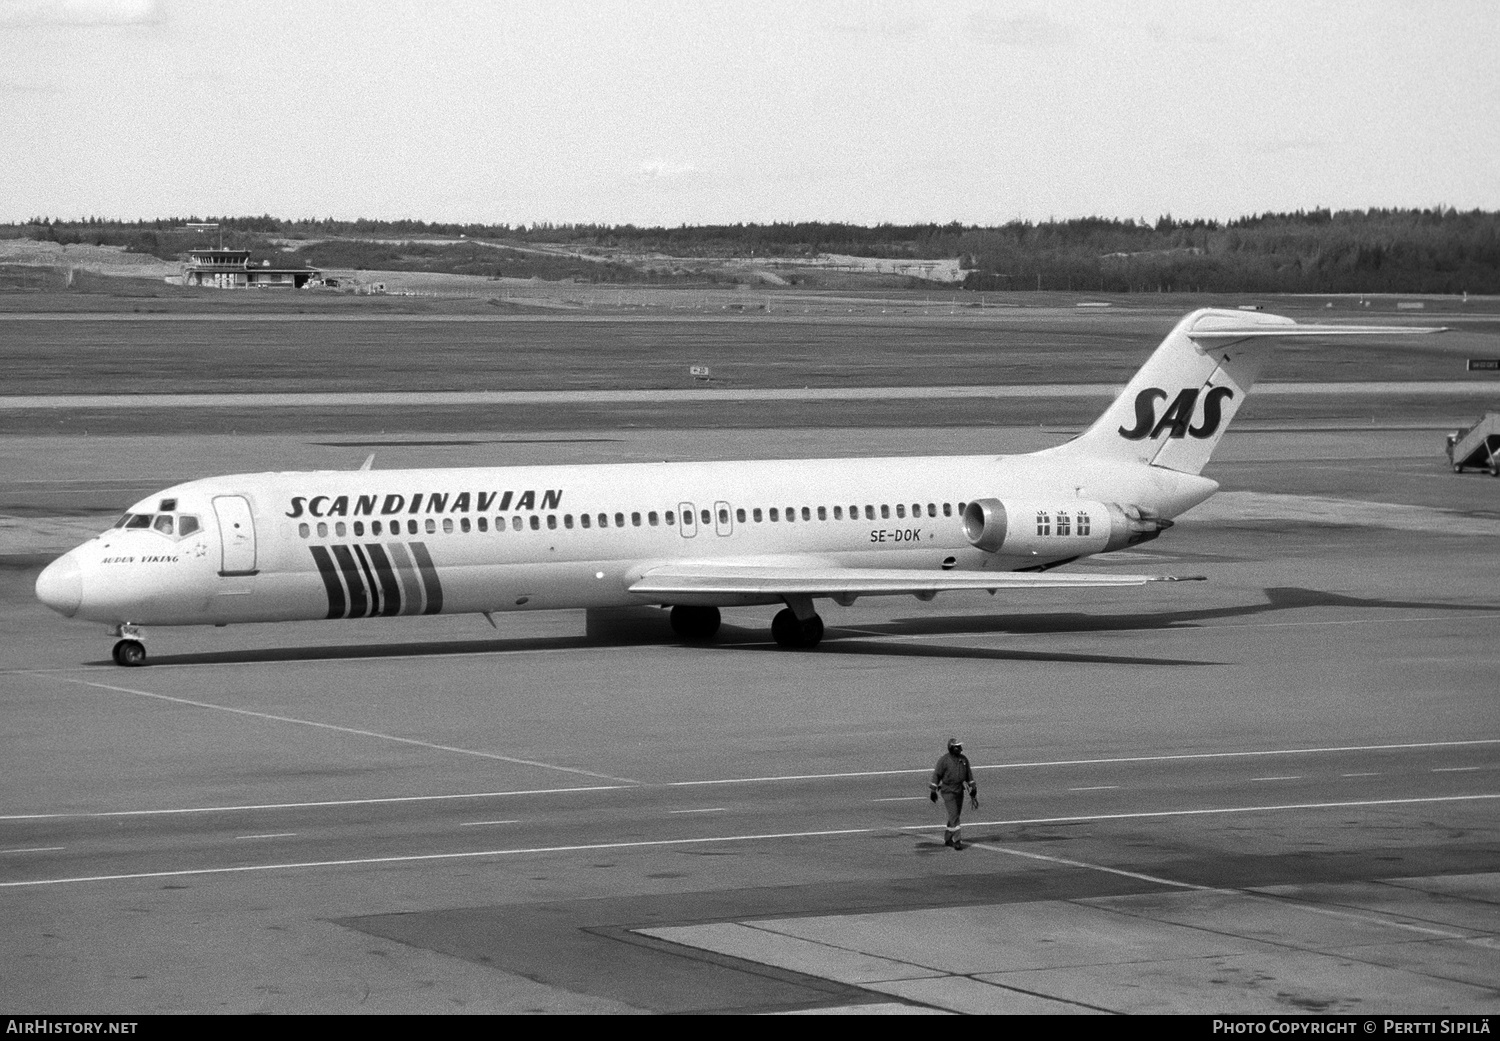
point(232, 269)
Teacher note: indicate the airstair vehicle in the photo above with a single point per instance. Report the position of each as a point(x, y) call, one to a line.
point(1478, 447)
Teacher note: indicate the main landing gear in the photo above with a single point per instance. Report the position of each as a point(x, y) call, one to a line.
point(695, 624)
point(797, 626)
point(130, 651)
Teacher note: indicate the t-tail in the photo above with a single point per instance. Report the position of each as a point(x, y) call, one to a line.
point(1175, 410)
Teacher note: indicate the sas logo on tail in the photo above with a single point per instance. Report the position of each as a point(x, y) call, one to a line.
point(1177, 419)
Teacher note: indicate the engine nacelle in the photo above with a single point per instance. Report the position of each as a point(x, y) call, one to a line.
point(1053, 529)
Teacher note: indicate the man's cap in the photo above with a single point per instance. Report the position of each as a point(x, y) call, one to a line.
point(954, 742)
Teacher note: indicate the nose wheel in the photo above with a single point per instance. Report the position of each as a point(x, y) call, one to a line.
point(130, 653)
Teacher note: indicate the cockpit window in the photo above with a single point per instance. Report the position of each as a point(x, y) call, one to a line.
point(164, 524)
point(138, 520)
point(121, 522)
point(187, 525)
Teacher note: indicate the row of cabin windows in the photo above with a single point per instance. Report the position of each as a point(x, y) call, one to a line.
point(603, 520)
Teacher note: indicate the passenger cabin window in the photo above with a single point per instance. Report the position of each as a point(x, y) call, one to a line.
point(619, 520)
point(499, 523)
point(536, 523)
point(838, 513)
point(671, 519)
point(739, 515)
point(724, 515)
point(303, 530)
point(773, 514)
point(322, 529)
point(568, 520)
point(651, 518)
point(885, 512)
point(705, 517)
point(755, 513)
point(869, 512)
point(947, 509)
point(822, 513)
point(635, 520)
point(900, 509)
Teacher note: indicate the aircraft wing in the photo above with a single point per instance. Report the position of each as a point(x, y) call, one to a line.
point(708, 579)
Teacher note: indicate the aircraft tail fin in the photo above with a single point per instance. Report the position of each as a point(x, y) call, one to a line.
point(1177, 407)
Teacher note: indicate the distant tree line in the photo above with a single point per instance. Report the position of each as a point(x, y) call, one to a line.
point(1439, 250)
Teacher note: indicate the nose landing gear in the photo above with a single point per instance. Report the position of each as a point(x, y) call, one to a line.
point(130, 651)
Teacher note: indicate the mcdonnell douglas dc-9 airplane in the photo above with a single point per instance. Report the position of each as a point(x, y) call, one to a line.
point(693, 536)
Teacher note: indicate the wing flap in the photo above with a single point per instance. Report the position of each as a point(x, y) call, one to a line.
point(737, 580)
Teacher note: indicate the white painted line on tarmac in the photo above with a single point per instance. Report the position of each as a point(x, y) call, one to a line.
point(1251, 893)
point(1147, 814)
point(347, 730)
point(710, 809)
point(314, 805)
point(271, 835)
point(1455, 769)
point(421, 857)
point(1096, 788)
point(1177, 757)
point(1288, 777)
point(326, 803)
point(479, 824)
point(34, 849)
point(718, 839)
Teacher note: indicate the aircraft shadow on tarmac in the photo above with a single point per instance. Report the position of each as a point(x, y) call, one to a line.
point(856, 641)
point(1278, 598)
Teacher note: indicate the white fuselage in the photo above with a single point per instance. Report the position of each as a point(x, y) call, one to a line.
point(344, 544)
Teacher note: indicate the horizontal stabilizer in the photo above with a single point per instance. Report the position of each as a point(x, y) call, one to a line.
point(1207, 333)
point(734, 580)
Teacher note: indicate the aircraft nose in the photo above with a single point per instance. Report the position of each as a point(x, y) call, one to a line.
point(60, 586)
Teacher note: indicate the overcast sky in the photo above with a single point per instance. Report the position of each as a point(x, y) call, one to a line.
point(659, 112)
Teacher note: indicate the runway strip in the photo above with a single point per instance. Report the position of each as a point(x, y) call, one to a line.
point(17, 403)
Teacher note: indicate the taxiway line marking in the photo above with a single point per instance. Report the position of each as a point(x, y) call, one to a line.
point(718, 839)
point(1455, 769)
point(314, 805)
point(328, 803)
point(710, 809)
point(1253, 894)
point(1177, 757)
point(477, 824)
point(34, 849)
point(1096, 788)
point(349, 730)
point(271, 835)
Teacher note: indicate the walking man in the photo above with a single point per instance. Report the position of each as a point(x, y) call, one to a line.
point(949, 779)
